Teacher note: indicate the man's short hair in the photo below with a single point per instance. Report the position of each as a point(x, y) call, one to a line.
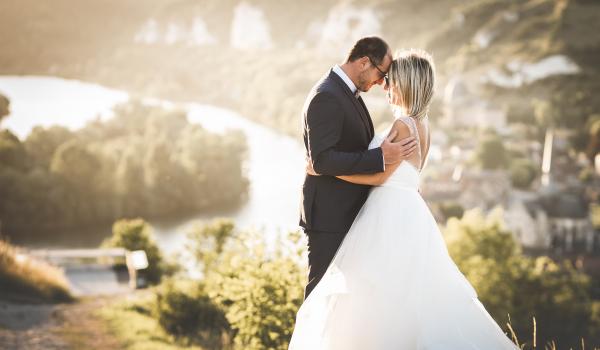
point(372, 46)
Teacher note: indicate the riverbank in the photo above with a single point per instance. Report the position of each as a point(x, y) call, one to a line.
point(274, 164)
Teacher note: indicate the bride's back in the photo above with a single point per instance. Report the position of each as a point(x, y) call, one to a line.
point(407, 173)
point(418, 129)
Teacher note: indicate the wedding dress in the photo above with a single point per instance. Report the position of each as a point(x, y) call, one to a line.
point(392, 284)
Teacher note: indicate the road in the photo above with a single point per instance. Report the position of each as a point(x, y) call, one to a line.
point(70, 326)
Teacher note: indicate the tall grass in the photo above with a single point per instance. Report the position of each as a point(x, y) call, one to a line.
point(26, 278)
point(551, 345)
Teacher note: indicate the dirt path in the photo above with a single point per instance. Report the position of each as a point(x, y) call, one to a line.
point(49, 327)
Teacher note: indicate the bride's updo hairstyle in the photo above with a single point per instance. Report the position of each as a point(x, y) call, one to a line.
point(412, 77)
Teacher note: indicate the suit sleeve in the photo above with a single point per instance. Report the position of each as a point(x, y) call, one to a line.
point(324, 125)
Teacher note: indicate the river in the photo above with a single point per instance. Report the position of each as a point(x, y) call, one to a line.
point(275, 164)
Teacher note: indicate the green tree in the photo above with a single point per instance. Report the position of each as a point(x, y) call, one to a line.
point(509, 283)
point(12, 152)
point(166, 181)
point(451, 209)
point(41, 143)
point(522, 173)
point(78, 168)
point(491, 153)
point(206, 243)
point(184, 310)
point(136, 234)
point(146, 161)
point(130, 191)
point(259, 288)
point(76, 164)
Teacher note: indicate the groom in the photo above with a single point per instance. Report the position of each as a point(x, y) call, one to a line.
point(337, 130)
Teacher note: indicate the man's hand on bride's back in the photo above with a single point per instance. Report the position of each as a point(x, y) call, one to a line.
point(394, 152)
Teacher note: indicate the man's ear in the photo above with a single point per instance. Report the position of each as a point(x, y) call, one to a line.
point(364, 62)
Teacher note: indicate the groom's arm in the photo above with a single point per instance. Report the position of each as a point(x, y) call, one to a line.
point(379, 178)
point(324, 125)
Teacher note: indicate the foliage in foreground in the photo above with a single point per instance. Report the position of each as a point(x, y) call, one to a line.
point(251, 291)
point(261, 290)
point(514, 286)
point(24, 277)
point(137, 328)
point(188, 313)
point(258, 287)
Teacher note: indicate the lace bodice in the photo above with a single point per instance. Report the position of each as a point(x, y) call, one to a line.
point(407, 174)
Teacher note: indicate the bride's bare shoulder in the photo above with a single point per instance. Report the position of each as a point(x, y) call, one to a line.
point(402, 128)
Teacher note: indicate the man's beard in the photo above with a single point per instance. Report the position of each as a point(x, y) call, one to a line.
point(363, 83)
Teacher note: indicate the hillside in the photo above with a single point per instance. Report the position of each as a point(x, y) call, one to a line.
point(230, 53)
point(515, 52)
point(261, 57)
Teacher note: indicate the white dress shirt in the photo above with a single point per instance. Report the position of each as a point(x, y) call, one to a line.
point(339, 71)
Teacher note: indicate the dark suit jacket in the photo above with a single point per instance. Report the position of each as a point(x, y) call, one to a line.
point(337, 132)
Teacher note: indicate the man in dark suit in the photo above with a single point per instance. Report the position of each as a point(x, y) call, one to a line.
point(337, 132)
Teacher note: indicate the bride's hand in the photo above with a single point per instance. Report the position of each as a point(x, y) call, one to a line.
point(309, 168)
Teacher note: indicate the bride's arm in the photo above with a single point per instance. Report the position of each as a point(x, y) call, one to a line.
point(379, 178)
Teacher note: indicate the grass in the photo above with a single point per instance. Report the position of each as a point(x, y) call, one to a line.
point(132, 323)
point(25, 278)
point(551, 345)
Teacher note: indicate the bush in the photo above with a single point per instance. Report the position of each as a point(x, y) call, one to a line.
point(491, 154)
point(24, 277)
point(509, 283)
point(261, 291)
point(190, 314)
point(206, 243)
point(136, 235)
point(451, 209)
point(522, 173)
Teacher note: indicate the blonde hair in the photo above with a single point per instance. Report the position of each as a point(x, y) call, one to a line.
point(412, 73)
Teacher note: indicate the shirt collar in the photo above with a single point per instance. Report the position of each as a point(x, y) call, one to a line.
point(339, 71)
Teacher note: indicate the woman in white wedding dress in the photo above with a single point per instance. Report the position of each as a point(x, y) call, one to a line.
point(392, 284)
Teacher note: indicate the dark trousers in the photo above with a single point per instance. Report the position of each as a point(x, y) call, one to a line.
point(322, 247)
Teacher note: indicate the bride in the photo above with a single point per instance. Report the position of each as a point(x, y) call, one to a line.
point(392, 284)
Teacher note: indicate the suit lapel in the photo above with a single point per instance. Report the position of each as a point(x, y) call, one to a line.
point(357, 102)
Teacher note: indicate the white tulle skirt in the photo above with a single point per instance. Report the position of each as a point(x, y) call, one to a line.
point(392, 285)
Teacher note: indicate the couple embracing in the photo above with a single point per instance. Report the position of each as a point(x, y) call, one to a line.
point(380, 276)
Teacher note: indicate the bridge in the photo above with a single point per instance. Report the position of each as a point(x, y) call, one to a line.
point(98, 271)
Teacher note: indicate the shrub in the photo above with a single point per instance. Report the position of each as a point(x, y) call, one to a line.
point(24, 277)
point(136, 235)
point(206, 243)
point(261, 291)
point(190, 314)
point(259, 288)
point(491, 153)
point(522, 173)
point(451, 209)
point(510, 283)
